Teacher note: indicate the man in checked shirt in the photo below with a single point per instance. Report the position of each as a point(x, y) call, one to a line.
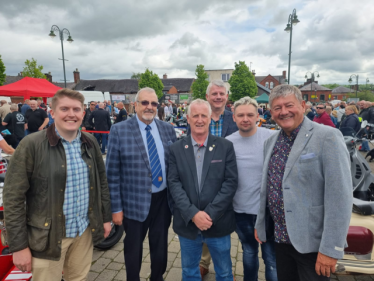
point(60, 174)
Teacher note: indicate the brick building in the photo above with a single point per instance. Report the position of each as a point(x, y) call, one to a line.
point(270, 81)
point(315, 93)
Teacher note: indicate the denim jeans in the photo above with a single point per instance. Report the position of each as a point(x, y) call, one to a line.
point(219, 249)
point(104, 140)
point(245, 228)
point(365, 143)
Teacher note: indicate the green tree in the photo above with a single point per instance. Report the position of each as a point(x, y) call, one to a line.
point(200, 84)
point(32, 69)
point(242, 82)
point(364, 95)
point(2, 72)
point(151, 80)
point(136, 75)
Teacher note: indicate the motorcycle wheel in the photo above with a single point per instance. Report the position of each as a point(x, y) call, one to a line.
point(114, 236)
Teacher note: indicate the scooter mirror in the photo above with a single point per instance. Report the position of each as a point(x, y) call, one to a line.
point(364, 124)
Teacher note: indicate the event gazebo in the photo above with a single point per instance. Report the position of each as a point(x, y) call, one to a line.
point(30, 87)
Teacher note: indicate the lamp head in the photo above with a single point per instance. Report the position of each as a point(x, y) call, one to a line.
point(350, 80)
point(318, 75)
point(306, 77)
point(288, 28)
point(295, 20)
point(70, 40)
point(52, 34)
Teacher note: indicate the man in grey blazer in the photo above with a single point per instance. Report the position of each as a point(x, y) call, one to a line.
point(307, 187)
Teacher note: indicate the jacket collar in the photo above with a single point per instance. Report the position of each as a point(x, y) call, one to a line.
point(53, 138)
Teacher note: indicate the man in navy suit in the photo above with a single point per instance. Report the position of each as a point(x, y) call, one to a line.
point(137, 162)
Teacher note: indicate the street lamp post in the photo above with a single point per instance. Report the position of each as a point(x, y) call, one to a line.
point(61, 33)
point(311, 80)
point(292, 20)
point(350, 81)
point(367, 81)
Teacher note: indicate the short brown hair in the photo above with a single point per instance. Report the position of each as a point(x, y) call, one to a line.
point(71, 94)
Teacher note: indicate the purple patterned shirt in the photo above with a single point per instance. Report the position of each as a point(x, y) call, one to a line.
point(277, 164)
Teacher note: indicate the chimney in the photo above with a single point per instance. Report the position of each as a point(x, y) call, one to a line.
point(48, 76)
point(77, 76)
point(254, 72)
point(284, 74)
point(20, 74)
point(165, 76)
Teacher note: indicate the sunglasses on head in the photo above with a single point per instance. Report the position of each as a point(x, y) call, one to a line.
point(146, 103)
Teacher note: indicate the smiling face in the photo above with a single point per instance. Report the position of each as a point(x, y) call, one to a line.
point(199, 119)
point(288, 112)
point(146, 113)
point(217, 97)
point(68, 115)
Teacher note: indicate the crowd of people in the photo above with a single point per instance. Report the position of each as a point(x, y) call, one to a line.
point(276, 189)
point(342, 116)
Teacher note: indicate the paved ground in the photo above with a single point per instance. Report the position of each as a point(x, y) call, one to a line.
point(109, 265)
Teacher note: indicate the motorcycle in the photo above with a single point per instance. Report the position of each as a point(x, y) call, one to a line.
point(178, 123)
point(359, 256)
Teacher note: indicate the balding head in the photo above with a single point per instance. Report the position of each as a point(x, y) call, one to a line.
point(33, 104)
point(101, 105)
point(3, 102)
point(120, 105)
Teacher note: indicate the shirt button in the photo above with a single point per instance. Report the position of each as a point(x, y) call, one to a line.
point(150, 190)
point(150, 175)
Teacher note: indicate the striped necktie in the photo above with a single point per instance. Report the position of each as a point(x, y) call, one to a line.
point(154, 160)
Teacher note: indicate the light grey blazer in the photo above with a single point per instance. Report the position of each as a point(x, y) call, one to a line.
point(317, 190)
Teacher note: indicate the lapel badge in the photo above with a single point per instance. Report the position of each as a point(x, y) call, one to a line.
point(210, 148)
point(306, 135)
point(160, 179)
point(186, 146)
point(213, 145)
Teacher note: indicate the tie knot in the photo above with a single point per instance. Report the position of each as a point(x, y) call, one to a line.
point(148, 128)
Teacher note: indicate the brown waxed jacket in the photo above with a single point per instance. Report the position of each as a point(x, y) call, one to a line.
point(37, 175)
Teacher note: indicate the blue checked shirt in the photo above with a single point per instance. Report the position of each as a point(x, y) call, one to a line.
point(77, 188)
point(216, 126)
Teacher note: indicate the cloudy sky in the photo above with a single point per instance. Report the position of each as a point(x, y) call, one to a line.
point(113, 39)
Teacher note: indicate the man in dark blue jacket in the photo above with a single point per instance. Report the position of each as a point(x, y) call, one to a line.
point(100, 121)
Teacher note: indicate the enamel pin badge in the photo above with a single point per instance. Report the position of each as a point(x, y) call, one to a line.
point(210, 148)
point(186, 146)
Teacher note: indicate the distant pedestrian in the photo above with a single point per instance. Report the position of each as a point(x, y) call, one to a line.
point(36, 118)
point(122, 113)
point(100, 121)
point(15, 123)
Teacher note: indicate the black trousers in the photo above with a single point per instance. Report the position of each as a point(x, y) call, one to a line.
point(157, 223)
point(294, 266)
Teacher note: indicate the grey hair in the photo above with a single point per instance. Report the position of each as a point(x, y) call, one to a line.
point(146, 89)
point(14, 107)
point(245, 101)
point(308, 103)
point(199, 101)
point(218, 83)
point(283, 91)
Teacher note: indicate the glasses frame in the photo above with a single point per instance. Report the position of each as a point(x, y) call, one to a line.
point(146, 103)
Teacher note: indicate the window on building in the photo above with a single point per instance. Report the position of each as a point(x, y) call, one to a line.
point(305, 97)
point(344, 97)
point(267, 85)
point(335, 97)
point(271, 85)
point(322, 97)
point(225, 76)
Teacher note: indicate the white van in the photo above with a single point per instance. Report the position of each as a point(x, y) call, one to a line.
point(7, 99)
point(92, 96)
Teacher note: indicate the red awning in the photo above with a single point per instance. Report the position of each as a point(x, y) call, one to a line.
point(29, 87)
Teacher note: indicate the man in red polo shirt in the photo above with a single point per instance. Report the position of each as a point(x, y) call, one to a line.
point(322, 117)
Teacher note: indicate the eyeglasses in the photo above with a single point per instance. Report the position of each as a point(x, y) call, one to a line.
point(146, 103)
point(320, 108)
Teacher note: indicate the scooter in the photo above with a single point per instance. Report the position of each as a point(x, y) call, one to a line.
point(359, 255)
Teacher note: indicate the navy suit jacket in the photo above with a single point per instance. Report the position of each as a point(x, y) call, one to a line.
point(228, 127)
point(128, 170)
